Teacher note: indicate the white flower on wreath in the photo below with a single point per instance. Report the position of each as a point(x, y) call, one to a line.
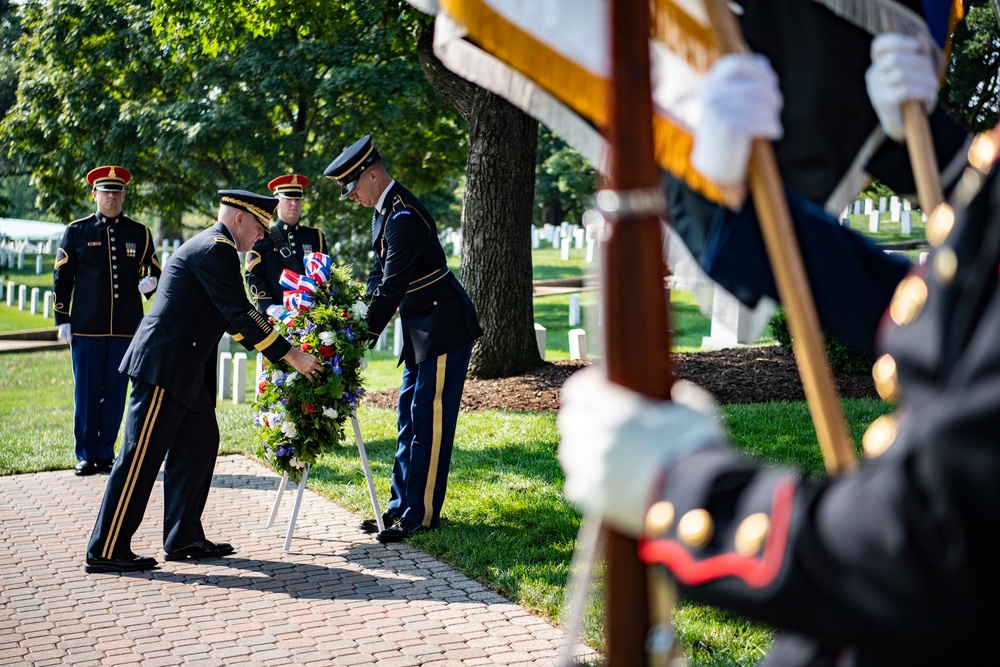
point(292, 377)
point(326, 337)
point(363, 363)
point(276, 375)
point(359, 310)
point(295, 463)
point(288, 428)
point(273, 419)
point(330, 413)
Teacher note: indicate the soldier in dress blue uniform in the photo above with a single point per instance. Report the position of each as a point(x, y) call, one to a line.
point(439, 325)
point(892, 565)
point(172, 408)
point(103, 264)
point(283, 247)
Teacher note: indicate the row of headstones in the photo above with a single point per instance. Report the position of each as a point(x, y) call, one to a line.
point(27, 299)
point(23, 245)
point(577, 342)
point(566, 236)
point(899, 211)
point(14, 259)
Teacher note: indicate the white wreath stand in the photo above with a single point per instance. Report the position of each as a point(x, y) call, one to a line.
point(302, 488)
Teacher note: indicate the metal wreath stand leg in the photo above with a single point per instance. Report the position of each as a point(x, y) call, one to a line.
point(302, 487)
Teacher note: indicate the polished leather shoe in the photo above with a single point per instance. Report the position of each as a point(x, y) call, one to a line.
point(389, 517)
point(403, 529)
point(105, 465)
point(130, 563)
point(200, 549)
point(84, 468)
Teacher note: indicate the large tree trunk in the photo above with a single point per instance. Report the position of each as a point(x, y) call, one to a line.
point(496, 218)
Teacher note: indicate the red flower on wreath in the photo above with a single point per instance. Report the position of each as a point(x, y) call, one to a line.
point(305, 347)
point(308, 408)
point(261, 387)
point(326, 351)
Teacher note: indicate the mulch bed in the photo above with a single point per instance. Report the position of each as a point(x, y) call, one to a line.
point(737, 375)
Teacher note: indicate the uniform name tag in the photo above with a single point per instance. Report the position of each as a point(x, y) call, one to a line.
point(91, 243)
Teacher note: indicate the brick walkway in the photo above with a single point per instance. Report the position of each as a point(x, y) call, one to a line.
point(337, 597)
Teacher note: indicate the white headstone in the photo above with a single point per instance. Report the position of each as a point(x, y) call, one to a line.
point(564, 249)
point(35, 294)
point(383, 340)
point(10, 292)
point(922, 257)
point(578, 239)
point(577, 344)
point(3, 291)
point(873, 221)
point(591, 249)
point(177, 244)
point(856, 208)
point(225, 382)
point(239, 388)
point(564, 229)
point(397, 338)
point(535, 238)
point(906, 223)
point(882, 204)
point(456, 244)
point(547, 231)
point(164, 256)
point(869, 206)
point(732, 322)
point(894, 209)
point(165, 246)
point(22, 296)
point(907, 205)
point(540, 339)
point(20, 259)
point(258, 373)
point(38, 265)
point(47, 304)
point(574, 309)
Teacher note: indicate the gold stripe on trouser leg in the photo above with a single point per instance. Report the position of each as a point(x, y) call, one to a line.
point(133, 472)
point(442, 364)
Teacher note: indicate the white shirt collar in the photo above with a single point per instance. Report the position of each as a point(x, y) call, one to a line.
point(381, 200)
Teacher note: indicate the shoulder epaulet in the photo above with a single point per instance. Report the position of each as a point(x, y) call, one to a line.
point(128, 219)
point(223, 239)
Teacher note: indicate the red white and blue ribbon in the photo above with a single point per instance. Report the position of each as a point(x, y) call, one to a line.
point(298, 300)
point(297, 282)
point(318, 266)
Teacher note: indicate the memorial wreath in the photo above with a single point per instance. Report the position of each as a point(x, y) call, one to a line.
point(326, 315)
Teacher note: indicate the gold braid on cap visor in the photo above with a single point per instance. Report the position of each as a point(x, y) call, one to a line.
point(258, 212)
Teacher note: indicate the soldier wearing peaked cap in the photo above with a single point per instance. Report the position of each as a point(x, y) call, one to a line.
point(104, 264)
point(284, 246)
point(439, 325)
point(171, 412)
point(894, 564)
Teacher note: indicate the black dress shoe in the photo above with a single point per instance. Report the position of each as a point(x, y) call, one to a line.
point(130, 563)
point(403, 529)
point(200, 549)
point(389, 517)
point(105, 465)
point(84, 468)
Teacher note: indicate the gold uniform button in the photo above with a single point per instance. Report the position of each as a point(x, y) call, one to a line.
point(752, 532)
point(939, 224)
point(659, 518)
point(884, 374)
point(880, 436)
point(908, 301)
point(983, 152)
point(194, 344)
point(695, 529)
point(945, 265)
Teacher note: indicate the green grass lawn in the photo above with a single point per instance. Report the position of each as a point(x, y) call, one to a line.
point(506, 522)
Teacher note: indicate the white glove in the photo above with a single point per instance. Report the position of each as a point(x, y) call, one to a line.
point(740, 102)
point(147, 284)
point(274, 310)
point(614, 443)
point(65, 333)
point(902, 69)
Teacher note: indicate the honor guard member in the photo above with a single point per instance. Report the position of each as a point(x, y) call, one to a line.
point(894, 564)
point(104, 263)
point(439, 325)
point(283, 247)
point(171, 412)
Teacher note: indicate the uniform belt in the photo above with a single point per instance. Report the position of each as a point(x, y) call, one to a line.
point(421, 283)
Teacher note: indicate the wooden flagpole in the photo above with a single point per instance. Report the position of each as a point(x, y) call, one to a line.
point(636, 321)
point(790, 276)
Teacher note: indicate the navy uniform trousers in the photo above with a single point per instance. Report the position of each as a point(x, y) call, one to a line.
point(158, 422)
point(427, 414)
point(99, 394)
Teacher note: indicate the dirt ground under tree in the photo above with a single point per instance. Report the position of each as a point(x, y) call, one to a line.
point(737, 375)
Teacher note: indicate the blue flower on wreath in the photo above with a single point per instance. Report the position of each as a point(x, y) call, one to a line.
point(335, 364)
point(285, 449)
point(349, 332)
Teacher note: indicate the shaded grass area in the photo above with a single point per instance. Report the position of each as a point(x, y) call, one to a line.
point(505, 521)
